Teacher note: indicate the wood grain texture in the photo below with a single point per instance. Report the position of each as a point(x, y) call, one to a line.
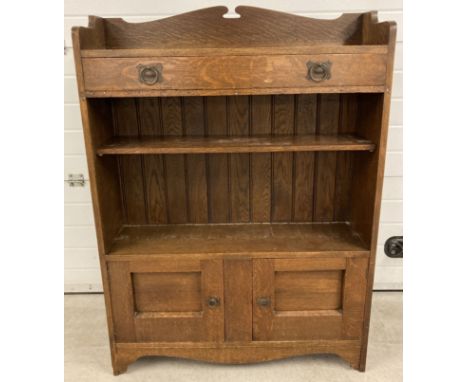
point(234, 125)
point(122, 301)
point(354, 297)
point(263, 273)
point(325, 169)
point(345, 160)
point(167, 292)
point(218, 166)
point(234, 91)
point(154, 172)
point(334, 48)
point(238, 299)
point(103, 175)
point(261, 181)
point(262, 239)
point(239, 125)
point(237, 352)
point(287, 210)
point(194, 122)
point(206, 28)
point(145, 294)
point(150, 120)
point(282, 166)
point(131, 170)
point(289, 292)
point(308, 290)
point(384, 32)
point(224, 144)
point(233, 72)
point(105, 184)
point(174, 165)
point(304, 162)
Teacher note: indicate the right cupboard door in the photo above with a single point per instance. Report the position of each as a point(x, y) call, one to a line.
point(308, 299)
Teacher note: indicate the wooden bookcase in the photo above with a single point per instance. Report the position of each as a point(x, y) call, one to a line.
point(236, 170)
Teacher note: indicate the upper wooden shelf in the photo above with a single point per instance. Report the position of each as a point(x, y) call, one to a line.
point(274, 240)
point(206, 30)
point(187, 52)
point(261, 52)
point(200, 145)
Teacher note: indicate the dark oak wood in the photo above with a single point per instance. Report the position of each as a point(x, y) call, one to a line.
point(375, 33)
point(334, 48)
point(232, 72)
point(237, 274)
point(248, 239)
point(167, 301)
point(236, 200)
point(301, 300)
point(233, 91)
point(206, 28)
point(202, 145)
point(236, 352)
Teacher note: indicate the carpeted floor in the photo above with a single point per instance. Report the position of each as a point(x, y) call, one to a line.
point(87, 356)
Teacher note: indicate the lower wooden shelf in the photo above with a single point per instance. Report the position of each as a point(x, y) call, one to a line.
point(256, 240)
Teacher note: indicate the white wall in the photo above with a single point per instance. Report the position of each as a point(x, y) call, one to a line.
point(81, 258)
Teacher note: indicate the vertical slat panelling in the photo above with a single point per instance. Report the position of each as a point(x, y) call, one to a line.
point(282, 163)
point(260, 163)
point(126, 124)
point(306, 108)
point(153, 167)
point(238, 115)
point(325, 164)
point(174, 164)
point(196, 164)
point(218, 189)
point(150, 116)
point(344, 159)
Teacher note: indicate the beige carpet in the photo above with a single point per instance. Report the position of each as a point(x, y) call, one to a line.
point(87, 356)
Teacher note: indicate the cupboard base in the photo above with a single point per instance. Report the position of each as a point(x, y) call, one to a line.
point(235, 353)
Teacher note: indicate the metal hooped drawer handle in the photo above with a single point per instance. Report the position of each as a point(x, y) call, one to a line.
point(318, 71)
point(264, 301)
point(150, 74)
point(213, 301)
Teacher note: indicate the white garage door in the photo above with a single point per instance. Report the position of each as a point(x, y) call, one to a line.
point(81, 259)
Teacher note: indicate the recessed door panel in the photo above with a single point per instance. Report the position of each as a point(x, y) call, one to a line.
point(167, 291)
point(168, 300)
point(308, 290)
point(304, 299)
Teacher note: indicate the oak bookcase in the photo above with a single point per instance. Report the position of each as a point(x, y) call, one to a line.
point(236, 170)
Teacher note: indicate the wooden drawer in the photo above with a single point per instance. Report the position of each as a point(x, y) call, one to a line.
point(235, 72)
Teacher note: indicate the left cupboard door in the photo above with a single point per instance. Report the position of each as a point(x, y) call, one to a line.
point(167, 300)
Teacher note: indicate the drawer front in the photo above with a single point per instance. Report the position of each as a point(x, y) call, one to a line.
point(234, 72)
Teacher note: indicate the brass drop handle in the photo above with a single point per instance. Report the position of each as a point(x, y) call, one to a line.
point(318, 71)
point(213, 301)
point(264, 301)
point(150, 74)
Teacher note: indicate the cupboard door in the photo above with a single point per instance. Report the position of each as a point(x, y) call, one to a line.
point(305, 299)
point(167, 300)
